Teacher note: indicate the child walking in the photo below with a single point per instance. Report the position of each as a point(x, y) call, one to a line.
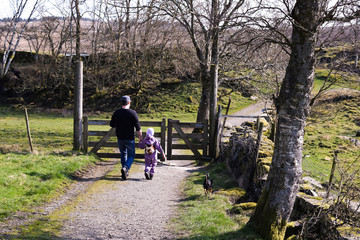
point(151, 146)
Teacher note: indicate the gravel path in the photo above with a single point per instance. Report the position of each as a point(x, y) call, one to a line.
point(252, 110)
point(137, 208)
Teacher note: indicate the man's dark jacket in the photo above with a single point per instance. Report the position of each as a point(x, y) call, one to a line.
point(125, 120)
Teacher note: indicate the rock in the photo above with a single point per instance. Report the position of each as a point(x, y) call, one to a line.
point(312, 181)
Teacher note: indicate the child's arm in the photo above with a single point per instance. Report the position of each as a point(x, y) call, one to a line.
point(141, 144)
point(159, 148)
point(163, 154)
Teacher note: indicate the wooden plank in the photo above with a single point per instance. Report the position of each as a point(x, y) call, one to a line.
point(163, 134)
point(205, 137)
point(189, 135)
point(142, 123)
point(184, 146)
point(99, 122)
point(100, 133)
point(186, 139)
point(191, 124)
point(103, 140)
point(150, 123)
point(107, 144)
point(169, 142)
point(85, 134)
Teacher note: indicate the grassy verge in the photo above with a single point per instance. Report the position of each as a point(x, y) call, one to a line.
point(29, 180)
point(202, 217)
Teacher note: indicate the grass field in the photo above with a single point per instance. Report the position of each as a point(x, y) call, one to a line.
point(28, 180)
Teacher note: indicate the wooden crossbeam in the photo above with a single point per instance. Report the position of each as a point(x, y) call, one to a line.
point(186, 139)
point(103, 140)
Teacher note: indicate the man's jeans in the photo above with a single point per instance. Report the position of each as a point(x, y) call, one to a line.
point(127, 152)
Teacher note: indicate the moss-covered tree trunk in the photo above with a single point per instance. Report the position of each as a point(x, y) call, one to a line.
point(293, 105)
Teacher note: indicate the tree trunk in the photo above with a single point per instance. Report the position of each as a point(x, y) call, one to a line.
point(203, 111)
point(214, 74)
point(293, 105)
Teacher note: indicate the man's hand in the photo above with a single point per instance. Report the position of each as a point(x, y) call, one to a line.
point(140, 135)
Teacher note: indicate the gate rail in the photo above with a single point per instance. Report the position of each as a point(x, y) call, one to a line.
point(193, 141)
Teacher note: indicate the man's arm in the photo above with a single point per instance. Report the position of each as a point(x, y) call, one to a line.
point(113, 121)
point(139, 133)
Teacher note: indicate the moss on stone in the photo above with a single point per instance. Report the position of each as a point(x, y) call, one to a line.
point(265, 161)
point(241, 207)
point(233, 193)
point(248, 205)
point(306, 186)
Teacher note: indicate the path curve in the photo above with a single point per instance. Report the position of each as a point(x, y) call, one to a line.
point(252, 110)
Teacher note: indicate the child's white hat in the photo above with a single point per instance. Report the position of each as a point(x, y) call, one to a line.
point(150, 132)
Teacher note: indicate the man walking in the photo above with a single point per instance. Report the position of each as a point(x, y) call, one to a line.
point(125, 120)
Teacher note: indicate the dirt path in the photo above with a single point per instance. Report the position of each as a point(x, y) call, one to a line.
point(252, 110)
point(133, 209)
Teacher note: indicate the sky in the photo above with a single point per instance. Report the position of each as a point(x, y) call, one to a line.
point(7, 9)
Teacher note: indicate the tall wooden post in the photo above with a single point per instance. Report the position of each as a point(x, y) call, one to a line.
point(85, 134)
point(78, 105)
point(217, 133)
point(331, 175)
point(28, 130)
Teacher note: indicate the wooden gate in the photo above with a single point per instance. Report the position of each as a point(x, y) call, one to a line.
point(100, 141)
point(194, 140)
point(108, 138)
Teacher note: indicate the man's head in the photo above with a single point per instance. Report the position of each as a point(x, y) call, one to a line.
point(125, 100)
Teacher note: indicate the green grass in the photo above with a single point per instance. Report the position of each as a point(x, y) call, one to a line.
point(181, 101)
point(328, 128)
point(49, 132)
point(29, 180)
point(200, 217)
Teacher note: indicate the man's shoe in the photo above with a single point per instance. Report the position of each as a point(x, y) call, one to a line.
point(124, 173)
point(147, 176)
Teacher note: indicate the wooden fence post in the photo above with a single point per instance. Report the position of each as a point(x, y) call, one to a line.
point(28, 130)
point(78, 105)
point(169, 140)
point(332, 174)
point(205, 137)
point(217, 139)
point(163, 134)
point(85, 134)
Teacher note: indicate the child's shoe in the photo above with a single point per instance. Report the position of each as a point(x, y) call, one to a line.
point(147, 176)
point(151, 176)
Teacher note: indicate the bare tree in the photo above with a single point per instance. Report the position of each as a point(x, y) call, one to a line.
point(293, 106)
point(15, 33)
point(205, 22)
